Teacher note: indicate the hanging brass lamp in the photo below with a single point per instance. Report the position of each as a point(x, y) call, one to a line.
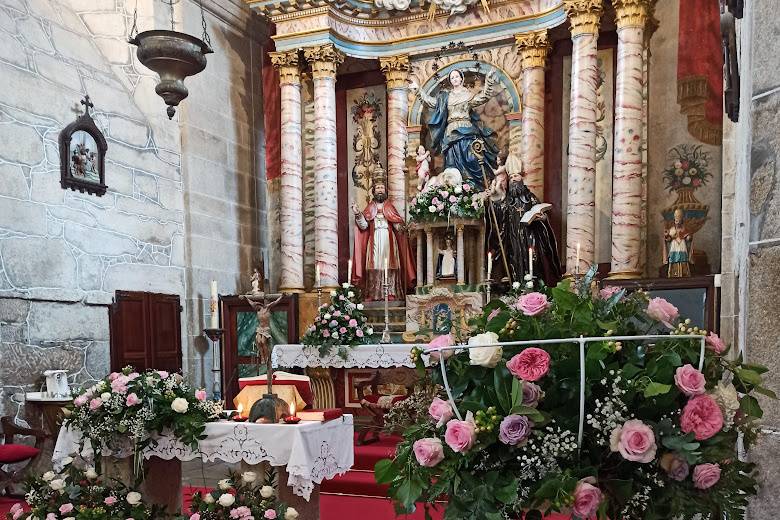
point(173, 55)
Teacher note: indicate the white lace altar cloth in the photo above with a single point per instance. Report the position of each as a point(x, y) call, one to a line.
point(362, 356)
point(312, 451)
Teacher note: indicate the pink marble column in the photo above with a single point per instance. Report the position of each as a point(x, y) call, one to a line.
point(324, 61)
point(584, 16)
point(396, 70)
point(631, 18)
point(291, 196)
point(533, 48)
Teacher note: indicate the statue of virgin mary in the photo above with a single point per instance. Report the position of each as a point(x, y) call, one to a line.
point(454, 126)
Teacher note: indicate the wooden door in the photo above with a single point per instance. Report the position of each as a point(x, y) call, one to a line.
point(145, 331)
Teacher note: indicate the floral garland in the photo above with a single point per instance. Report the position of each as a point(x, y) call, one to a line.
point(443, 202)
point(689, 168)
point(660, 436)
point(239, 497)
point(341, 324)
point(78, 494)
point(132, 405)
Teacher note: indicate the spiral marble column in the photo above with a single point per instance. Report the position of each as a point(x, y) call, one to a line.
point(324, 61)
point(631, 18)
point(533, 48)
point(584, 16)
point(396, 71)
point(291, 196)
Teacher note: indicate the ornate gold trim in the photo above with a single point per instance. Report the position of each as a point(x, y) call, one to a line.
point(287, 63)
point(396, 70)
point(584, 15)
point(324, 60)
point(631, 13)
point(533, 49)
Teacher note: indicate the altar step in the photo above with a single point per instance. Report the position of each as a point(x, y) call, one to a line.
point(396, 313)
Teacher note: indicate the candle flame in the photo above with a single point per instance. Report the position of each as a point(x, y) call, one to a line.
point(292, 409)
point(240, 409)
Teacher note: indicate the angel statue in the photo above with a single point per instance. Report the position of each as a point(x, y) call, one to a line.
point(454, 126)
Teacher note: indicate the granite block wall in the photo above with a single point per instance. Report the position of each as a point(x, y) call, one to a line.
point(183, 205)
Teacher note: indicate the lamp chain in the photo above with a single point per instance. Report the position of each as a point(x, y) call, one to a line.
point(206, 38)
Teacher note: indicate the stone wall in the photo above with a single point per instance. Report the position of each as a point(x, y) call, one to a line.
point(184, 197)
point(759, 133)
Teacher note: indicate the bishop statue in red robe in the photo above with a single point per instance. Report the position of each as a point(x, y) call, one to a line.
point(380, 238)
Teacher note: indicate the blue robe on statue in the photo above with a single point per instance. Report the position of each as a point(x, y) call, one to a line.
point(456, 146)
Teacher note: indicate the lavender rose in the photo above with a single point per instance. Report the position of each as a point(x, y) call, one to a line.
point(515, 430)
point(675, 466)
point(532, 394)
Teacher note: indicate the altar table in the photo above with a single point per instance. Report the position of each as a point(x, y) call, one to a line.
point(360, 356)
point(307, 454)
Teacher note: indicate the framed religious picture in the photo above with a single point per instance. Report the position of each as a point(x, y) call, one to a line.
point(83, 154)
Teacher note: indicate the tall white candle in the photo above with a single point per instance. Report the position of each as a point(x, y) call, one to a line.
point(214, 305)
point(349, 271)
point(317, 275)
point(531, 261)
point(385, 270)
point(489, 264)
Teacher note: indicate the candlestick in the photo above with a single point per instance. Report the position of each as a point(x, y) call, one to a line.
point(385, 277)
point(214, 306)
point(386, 287)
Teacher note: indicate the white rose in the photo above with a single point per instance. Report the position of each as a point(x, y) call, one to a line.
point(57, 484)
point(105, 396)
point(515, 285)
point(327, 316)
point(226, 500)
point(69, 518)
point(150, 381)
point(249, 476)
point(91, 474)
point(48, 476)
point(351, 294)
point(133, 498)
point(333, 293)
point(728, 399)
point(360, 306)
point(370, 330)
point(432, 209)
point(335, 335)
point(180, 405)
point(484, 356)
point(458, 190)
point(290, 514)
point(224, 484)
point(266, 491)
point(345, 285)
point(208, 499)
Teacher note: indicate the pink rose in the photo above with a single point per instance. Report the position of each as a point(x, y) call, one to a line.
point(634, 440)
point(353, 323)
point(113, 375)
point(663, 311)
point(441, 411)
point(326, 333)
point(95, 403)
point(587, 499)
point(702, 416)
point(270, 514)
point(706, 475)
point(467, 187)
point(608, 292)
point(195, 516)
point(16, 511)
point(51, 516)
point(453, 199)
point(200, 395)
point(133, 376)
point(80, 400)
point(342, 330)
point(445, 340)
point(532, 304)
point(66, 508)
point(359, 333)
point(531, 364)
point(163, 374)
point(715, 344)
point(428, 452)
point(689, 380)
point(132, 400)
point(109, 501)
point(119, 385)
point(461, 435)
point(435, 201)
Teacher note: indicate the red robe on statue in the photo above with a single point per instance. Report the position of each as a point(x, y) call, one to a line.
point(401, 266)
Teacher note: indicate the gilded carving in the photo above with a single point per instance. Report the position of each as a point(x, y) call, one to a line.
point(324, 60)
point(396, 70)
point(584, 15)
point(631, 13)
point(288, 65)
point(533, 49)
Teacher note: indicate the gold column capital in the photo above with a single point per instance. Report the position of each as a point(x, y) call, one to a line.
point(288, 65)
point(396, 70)
point(584, 15)
point(324, 60)
point(533, 49)
point(632, 13)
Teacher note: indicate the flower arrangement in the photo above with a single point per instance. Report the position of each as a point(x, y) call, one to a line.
point(445, 201)
point(688, 169)
point(239, 497)
point(341, 324)
point(660, 435)
point(78, 494)
point(132, 405)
